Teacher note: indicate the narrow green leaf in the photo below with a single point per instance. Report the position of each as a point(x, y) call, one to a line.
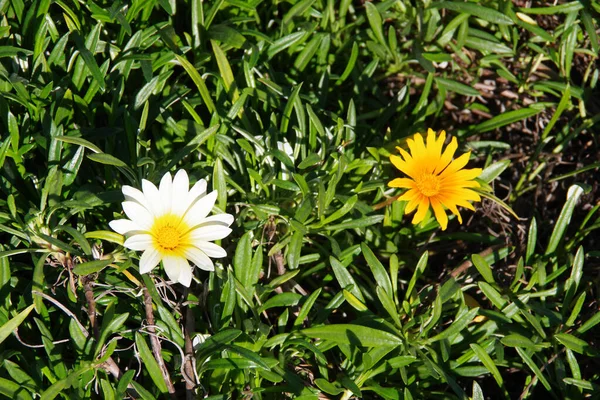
point(344, 278)
point(91, 267)
point(564, 218)
point(353, 334)
point(11, 325)
point(493, 171)
point(150, 363)
point(198, 81)
point(488, 363)
point(506, 118)
point(379, 273)
point(531, 364)
point(457, 326)
point(485, 13)
point(483, 267)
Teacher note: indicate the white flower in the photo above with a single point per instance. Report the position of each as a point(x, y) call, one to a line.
point(171, 224)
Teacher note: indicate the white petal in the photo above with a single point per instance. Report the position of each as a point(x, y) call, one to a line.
point(211, 249)
point(181, 185)
point(198, 257)
point(196, 214)
point(138, 214)
point(125, 226)
point(173, 266)
point(197, 192)
point(221, 219)
point(185, 274)
point(133, 194)
point(210, 232)
point(166, 192)
point(150, 258)
point(139, 242)
point(153, 197)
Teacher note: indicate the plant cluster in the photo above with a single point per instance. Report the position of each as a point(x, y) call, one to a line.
point(283, 137)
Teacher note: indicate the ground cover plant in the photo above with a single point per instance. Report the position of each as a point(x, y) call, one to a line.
point(289, 128)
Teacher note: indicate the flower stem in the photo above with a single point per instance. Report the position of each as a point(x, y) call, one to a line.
point(156, 347)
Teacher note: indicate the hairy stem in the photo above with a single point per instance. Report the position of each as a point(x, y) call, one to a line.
point(156, 347)
point(189, 354)
point(91, 301)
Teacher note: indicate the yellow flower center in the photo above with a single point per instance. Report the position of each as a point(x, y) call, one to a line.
point(428, 184)
point(168, 237)
point(169, 233)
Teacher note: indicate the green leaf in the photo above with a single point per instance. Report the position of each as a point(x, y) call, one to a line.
point(353, 334)
point(298, 9)
point(347, 206)
point(488, 363)
point(564, 218)
point(91, 267)
point(378, 270)
point(79, 141)
point(198, 81)
point(376, 23)
point(356, 223)
point(107, 159)
point(457, 326)
point(493, 171)
point(285, 299)
point(419, 269)
point(457, 87)
point(242, 260)
point(88, 57)
point(517, 340)
point(575, 344)
point(11, 52)
point(344, 278)
point(485, 13)
point(531, 364)
point(9, 327)
point(13, 390)
point(483, 267)
point(349, 65)
point(150, 363)
point(506, 118)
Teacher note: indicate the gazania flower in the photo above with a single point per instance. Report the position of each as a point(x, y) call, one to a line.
point(171, 224)
point(434, 178)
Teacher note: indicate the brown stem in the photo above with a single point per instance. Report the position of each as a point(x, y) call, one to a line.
point(468, 264)
point(189, 355)
point(156, 347)
point(109, 365)
point(384, 203)
point(91, 301)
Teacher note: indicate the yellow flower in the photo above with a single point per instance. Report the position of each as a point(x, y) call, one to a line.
point(171, 224)
point(434, 178)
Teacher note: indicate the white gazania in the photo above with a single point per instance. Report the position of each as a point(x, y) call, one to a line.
point(171, 224)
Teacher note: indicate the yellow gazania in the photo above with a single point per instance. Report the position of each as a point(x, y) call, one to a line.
point(434, 178)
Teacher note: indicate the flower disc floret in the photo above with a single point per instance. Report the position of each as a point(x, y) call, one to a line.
point(434, 178)
point(171, 224)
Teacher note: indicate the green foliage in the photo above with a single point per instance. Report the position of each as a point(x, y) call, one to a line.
point(290, 110)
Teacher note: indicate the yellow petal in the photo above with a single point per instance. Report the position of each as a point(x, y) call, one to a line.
point(455, 165)
point(404, 166)
point(409, 195)
point(463, 175)
point(446, 156)
point(452, 207)
point(440, 214)
point(411, 205)
point(402, 183)
point(422, 211)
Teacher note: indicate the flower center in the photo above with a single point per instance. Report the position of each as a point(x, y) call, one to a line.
point(168, 237)
point(428, 184)
point(169, 233)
